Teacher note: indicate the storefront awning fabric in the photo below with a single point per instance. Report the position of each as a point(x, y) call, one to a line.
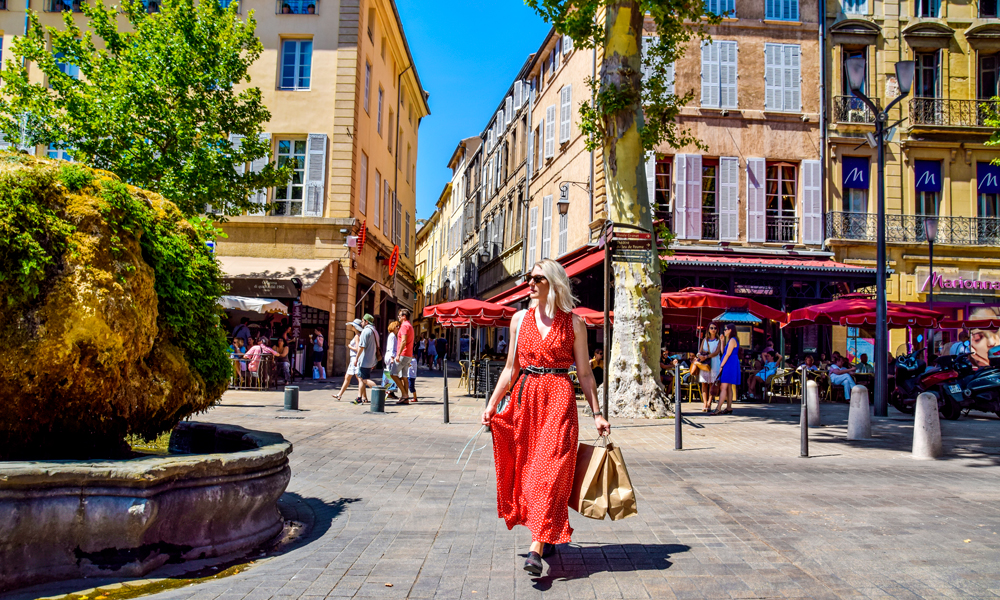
point(257, 305)
point(318, 277)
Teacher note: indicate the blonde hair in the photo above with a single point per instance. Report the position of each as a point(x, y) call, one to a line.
point(393, 326)
point(560, 291)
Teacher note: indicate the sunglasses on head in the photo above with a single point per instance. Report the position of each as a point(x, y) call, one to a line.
point(536, 279)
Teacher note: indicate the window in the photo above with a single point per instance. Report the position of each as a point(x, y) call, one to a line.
point(557, 52)
point(368, 85)
point(60, 154)
point(392, 128)
point(64, 5)
point(383, 48)
point(547, 227)
point(709, 199)
point(718, 74)
point(845, 84)
point(66, 68)
point(407, 165)
point(296, 64)
point(663, 182)
point(363, 201)
point(856, 7)
point(988, 9)
point(371, 24)
point(550, 131)
point(381, 94)
point(928, 8)
point(781, 192)
point(782, 78)
point(375, 200)
point(406, 242)
point(782, 10)
point(855, 184)
point(288, 198)
point(298, 7)
point(989, 75)
point(927, 178)
point(721, 7)
point(565, 113)
point(925, 81)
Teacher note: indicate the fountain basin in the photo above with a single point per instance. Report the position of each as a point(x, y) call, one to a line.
point(125, 518)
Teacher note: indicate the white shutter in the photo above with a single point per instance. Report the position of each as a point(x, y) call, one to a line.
point(386, 208)
point(541, 145)
point(793, 79)
point(550, 131)
point(647, 69)
point(508, 110)
point(397, 225)
point(773, 97)
point(693, 225)
point(727, 75)
point(500, 123)
point(315, 175)
point(565, 113)
point(5, 145)
point(567, 44)
point(363, 185)
point(377, 199)
point(557, 53)
point(680, 195)
point(518, 94)
point(710, 74)
point(532, 235)
point(812, 203)
point(670, 78)
point(235, 140)
point(729, 198)
point(256, 166)
point(563, 233)
point(547, 227)
point(651, 180)
point(530, 158)
point(756, 201)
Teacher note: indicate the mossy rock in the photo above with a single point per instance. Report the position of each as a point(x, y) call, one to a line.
point(109, 314)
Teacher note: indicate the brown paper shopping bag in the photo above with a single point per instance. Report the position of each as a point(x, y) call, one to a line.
point(590, 489)
point(621, 495)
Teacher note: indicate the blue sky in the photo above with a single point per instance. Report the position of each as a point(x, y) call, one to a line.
point(467, 54)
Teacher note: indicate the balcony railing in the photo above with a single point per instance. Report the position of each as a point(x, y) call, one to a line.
point(963, 231)
point(848, 109)
point(297, 7)
point(782, 229)
point(951, 113)
point(500, 269)
point(709, 226)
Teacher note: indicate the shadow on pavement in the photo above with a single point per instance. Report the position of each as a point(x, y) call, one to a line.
point(313, 514)
point(569, 564)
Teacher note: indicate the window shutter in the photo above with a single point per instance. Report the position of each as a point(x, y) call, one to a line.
point(793, 79)
point(557, 53)
point(772, 77)
point(706, 76)
point(500, 123)
point(508, 110)
point(729, 198)
point(727, 75)
point(532, 235)
point(315, 174)
point(563, 233)
point(386, 208)
point(376, 199)
point(5, 145)
point(541, 145)
point(363, 185)
point(567, 44)
point(812, 203)
point(547, 227)
point(406, 242)
point(670, 78)
point(756, 223)
point(647, 69)
point(518, 92)
point(256, 166)
point(680, 196)
point(530, 158)
point(397, 226)
point(565, 113)
point(651, 180)
point(693, 225)
point(550, 131)
point(772, 10)
point(235, 140)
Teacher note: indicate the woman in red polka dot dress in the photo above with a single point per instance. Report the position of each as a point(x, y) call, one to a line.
point(535, 437)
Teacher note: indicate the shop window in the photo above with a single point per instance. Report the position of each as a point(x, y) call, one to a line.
point(927, 75)
point(288, 198)
point(709, 199)
point(781, 192)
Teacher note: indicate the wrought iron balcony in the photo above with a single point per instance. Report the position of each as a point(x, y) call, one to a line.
point(848, 109)
point(939, 112)
point(782, 229)
point(965, 231)
point(709, 226)
point(502, 268)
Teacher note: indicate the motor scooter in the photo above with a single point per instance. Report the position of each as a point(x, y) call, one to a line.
point(977, 389)
point(914, 378)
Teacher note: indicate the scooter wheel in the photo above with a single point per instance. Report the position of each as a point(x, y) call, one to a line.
point(951, 411)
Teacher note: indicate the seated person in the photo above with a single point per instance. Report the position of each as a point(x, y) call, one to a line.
point(770, 367)
point(840, 374)
point(863, 366)
point(597, 366)
point(311, 9)
point(808, 364)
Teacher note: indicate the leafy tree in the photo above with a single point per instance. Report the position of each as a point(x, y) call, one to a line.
point(628, 118)
point(150, 97)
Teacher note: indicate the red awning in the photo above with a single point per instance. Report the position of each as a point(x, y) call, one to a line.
point(831, 313)
point(970, 324)
point(895, 319)
point(709, 303)
point(766, 262)
point(574, 264)
point(593, 318)
point(469, 308)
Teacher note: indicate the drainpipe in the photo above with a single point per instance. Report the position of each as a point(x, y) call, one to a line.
point(395, 158)
point(823, 105)
point(593, 77)
point(527, 189)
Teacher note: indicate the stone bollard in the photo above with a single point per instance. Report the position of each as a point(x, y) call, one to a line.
point(859, 420)
point(812, 403)
point(926, 428)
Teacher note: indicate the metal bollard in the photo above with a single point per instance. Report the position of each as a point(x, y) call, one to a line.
point(678, 412)
point(444, 370)
point(804, 420)
point(378, 399)
point(291, 397)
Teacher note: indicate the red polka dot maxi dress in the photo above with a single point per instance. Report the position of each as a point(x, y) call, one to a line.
point(535, 438)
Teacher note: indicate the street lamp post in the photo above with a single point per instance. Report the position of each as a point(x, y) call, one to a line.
point(856, 75)
point(930, 232)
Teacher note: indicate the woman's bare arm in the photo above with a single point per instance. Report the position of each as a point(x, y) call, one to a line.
point(510, 368)
point(586, 375)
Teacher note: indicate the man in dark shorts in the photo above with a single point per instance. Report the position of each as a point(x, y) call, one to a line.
point(368, 351)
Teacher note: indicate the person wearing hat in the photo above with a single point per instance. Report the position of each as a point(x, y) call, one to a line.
point(354, 326)
point(368, 353)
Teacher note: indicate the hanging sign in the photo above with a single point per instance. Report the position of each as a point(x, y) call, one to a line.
point(362, 236)
point(988, 178)
point(927, 174)
point(393, 261)
point(632, 246)
point(855, 173)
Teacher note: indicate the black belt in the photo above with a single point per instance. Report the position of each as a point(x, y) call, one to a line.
point(533, 370)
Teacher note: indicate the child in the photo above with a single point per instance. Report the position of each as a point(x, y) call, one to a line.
point(411, 377)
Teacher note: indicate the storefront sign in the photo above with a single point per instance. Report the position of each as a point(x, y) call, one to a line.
point(260, 288)
point(855, 173)
point(988, 178)
point(927, 174)
point(937, 281)
point(632, 247)
point(296, 320)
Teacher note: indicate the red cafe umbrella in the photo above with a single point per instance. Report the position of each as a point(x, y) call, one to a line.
point(831, 313)
point(970, 323)
point(895, 318)
point(593, 318)
point(691, 302)
point(468, 308)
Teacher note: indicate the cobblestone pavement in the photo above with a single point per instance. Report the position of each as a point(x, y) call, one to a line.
point(735, 515)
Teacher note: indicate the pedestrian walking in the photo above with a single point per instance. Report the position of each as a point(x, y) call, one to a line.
point(421, 348)
point(411, 379)
point(431, 354)
point(388, 381)
point(368, 352)
point(729, 370)
point(404, 355)
point(535, 437)
point(441, 346)
point(319, 371)
point(352, 366)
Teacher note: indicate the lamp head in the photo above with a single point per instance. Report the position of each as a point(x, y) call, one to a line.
point(856, 68)
point(904, 75)
point(930, 228)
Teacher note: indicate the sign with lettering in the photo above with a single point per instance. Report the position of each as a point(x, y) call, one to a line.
point(937, 281)
point(260, 288)
point(927, 174)
point(855, 173)
point(988, 178)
